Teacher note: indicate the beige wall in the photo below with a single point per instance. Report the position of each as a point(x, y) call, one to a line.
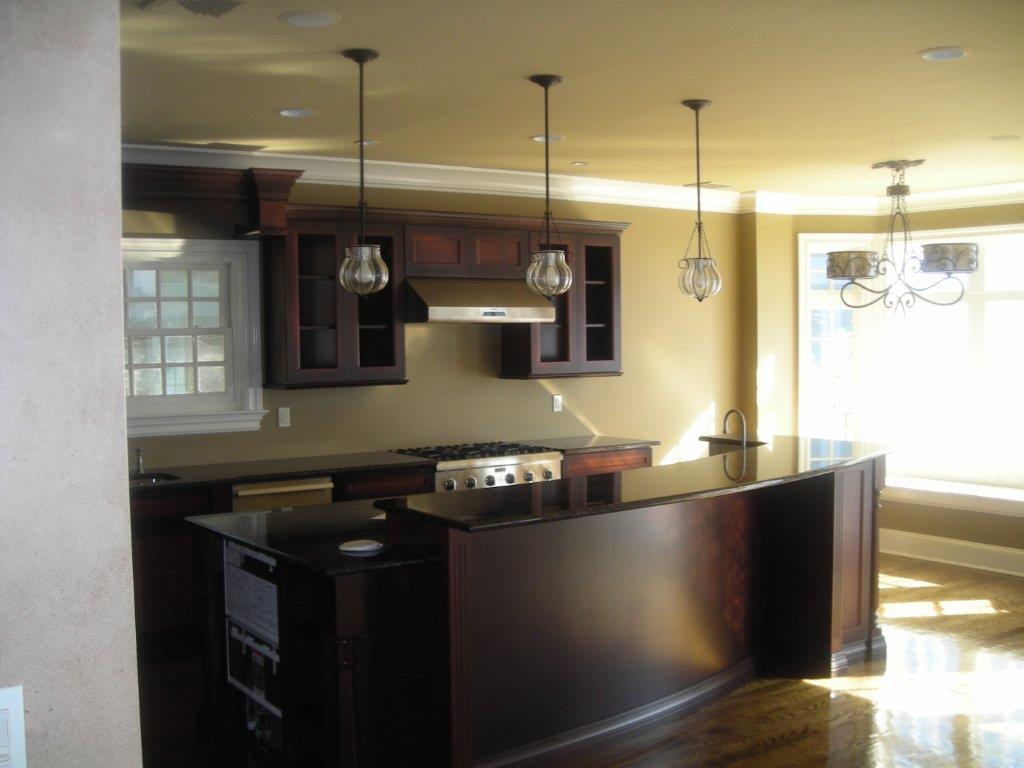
point(681, 359)
point(67, 632)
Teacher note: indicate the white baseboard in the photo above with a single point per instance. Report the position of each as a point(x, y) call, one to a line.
point(969, 554)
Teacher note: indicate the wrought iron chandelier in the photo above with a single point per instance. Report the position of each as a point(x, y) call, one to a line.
point(362, 271)
point(548, 274)
point(899, 264)
point(700, 277)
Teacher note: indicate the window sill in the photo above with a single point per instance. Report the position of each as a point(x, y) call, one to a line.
point(195, 424)
point(939, 493)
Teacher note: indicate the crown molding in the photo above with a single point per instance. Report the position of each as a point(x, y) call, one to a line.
point(337, 171)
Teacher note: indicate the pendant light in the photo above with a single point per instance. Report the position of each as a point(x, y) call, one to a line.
point(548, 275)
point(899, 266)
point(700, 277)
point(363, 271)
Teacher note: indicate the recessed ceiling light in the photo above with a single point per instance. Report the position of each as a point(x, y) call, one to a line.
point(550, 138)
point(1005, 137)
point(943, 53)
point(368, 142)
point(580, 163)
point(309, 19)
point(296, 112)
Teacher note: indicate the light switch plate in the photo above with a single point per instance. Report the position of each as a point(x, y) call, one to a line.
point(556, 403)
point(284, 417)
point(12, 728)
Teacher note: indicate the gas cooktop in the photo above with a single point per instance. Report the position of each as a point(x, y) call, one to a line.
point(482, 465)
point(464, 451)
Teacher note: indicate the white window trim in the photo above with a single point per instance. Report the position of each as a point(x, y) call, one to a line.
point(246, 411)
point(961, 496)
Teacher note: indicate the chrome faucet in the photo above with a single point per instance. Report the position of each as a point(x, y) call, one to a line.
point(139, 469)
point(743, 424)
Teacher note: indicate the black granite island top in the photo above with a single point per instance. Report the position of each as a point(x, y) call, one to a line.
point(783, 459)
point(308, 537)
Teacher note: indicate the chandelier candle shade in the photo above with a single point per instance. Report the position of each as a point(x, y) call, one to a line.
point(700, 278)
point(548, 274)
point(898, 264)
point(363, 271)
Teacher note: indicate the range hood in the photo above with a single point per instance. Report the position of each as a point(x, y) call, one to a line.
point(471, 300)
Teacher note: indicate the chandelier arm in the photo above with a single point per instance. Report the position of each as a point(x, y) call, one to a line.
point(938, 302)
point(879, 295)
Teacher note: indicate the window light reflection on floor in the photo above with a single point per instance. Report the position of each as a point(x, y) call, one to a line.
point(885, 581)
point(924, 608)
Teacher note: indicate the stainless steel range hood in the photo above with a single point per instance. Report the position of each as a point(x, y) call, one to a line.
point(470, 300)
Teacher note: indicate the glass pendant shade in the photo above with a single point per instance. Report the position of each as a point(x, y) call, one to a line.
point(961, 258)
point(847, 265)
point(549, 274)
point(363, 271)
point(700, 278)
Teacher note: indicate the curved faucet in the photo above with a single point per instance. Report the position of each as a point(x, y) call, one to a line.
point(743, 425)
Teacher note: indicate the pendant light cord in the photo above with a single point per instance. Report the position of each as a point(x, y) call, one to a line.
point(700, 221)
point(547, 172)
point(362, 163)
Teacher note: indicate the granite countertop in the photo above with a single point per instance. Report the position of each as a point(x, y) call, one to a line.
point(591, 443)
point(277, 469)
point(784, 458)
point(309, 536)
point(307, 466)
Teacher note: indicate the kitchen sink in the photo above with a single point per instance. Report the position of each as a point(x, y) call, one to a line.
point(150, 478)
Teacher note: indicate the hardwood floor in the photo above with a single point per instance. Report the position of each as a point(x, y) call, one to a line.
point(950, 693)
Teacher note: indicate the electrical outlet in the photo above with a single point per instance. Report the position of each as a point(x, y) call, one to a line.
point(556, 403)
point(284, 417)
point(12, 728)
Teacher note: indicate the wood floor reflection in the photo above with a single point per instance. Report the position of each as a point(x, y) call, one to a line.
point(951, 693)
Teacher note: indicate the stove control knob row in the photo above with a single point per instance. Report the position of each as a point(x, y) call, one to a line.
point(510, 478)
point(489, 480)
point(548, 474)
point(528, 476)
point(449, 484)
point(471, 482)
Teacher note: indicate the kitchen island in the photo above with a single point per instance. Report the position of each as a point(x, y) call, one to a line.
point(544, 615)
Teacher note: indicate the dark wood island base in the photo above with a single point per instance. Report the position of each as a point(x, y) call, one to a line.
point(509, 624)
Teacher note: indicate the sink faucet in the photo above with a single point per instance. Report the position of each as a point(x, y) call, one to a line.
point(743, 424)
point(139, 469)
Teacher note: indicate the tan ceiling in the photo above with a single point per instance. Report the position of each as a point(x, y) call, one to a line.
point(807, 93)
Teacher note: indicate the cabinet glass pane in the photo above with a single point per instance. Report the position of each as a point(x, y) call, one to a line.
point(147, 381)
point(205, 283)
point(142, 314)
point(142, 283)
point(173, 283)
point(146, 349)
point(206, 314)
point(180, 380)
point(174, 314)
point(211, 378)
point(178, 349)
point(210, 349)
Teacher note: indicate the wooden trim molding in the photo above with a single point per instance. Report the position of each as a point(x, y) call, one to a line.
point(967, 554)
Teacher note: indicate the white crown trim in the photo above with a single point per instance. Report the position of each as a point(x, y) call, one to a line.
point(341, 171)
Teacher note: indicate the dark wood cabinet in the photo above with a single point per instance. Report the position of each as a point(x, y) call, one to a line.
point(466, 252)
point(586, 337)
point(600, 462)
point(315, 332)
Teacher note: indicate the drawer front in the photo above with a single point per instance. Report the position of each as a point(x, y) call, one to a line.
point(367, 485)
point(579, 464)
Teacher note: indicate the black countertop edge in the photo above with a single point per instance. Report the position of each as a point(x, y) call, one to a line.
point(591, 443)
point(498, 520)
point(262, 470)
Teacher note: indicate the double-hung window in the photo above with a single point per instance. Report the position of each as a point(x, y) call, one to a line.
point(941, 386)
point(192, 345)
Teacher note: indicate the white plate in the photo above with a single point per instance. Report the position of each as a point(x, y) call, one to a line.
point(361, 547)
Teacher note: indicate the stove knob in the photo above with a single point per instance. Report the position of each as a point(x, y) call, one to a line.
point(548, 474)
point(489, 480)
point(528, 476)
point(449, 484)
point(510, 478)
point(471, 482)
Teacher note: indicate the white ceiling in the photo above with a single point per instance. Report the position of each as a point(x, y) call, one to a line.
point(807, 93)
